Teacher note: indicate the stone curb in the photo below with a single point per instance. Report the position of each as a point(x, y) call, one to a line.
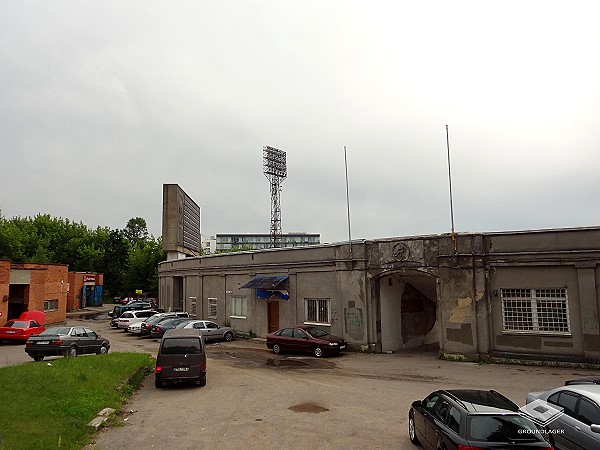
point(101, 418)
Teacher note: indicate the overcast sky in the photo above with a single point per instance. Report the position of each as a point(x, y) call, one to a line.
point(103, 102)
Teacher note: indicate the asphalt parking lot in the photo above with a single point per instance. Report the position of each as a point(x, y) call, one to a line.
point(257, 400)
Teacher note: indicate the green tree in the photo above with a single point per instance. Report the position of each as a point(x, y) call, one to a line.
point(116, 263)
point(136, 230)
point(143, 265)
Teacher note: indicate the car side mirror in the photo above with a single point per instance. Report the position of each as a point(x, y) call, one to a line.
point(595, 428)
point(417, 403)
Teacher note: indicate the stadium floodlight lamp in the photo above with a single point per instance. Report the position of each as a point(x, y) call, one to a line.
point(274, 163)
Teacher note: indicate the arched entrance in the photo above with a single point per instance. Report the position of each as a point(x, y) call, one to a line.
point(408, 301)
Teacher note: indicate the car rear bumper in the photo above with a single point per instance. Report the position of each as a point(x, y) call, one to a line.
point(182, 376)
point(46, 350)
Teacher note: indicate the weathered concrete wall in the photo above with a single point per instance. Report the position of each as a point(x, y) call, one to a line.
point(456, 278)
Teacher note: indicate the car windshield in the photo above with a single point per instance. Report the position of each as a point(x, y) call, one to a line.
point(57, 330)
point(315, 332)
point(181, 346)
point(154, 319)
point(504, 428)
point(16, 324)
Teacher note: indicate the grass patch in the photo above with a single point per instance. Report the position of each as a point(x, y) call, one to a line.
point(48, 404)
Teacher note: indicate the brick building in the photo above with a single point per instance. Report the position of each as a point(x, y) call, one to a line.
point(85, 289)
point(33, 287)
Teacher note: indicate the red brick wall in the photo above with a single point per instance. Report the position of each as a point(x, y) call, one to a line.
point(4, 286)
point(75, 286)
point(48, 282)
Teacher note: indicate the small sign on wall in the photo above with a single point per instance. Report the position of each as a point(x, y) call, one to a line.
point(89, 278)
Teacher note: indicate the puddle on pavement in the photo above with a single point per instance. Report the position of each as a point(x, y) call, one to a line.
point(90, 316)
point(264, 359)
point(312, 408)
point(286, 363)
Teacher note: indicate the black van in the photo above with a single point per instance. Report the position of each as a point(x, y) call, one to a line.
point(181, 357)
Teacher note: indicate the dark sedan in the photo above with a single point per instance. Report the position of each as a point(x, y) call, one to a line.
point(65, 341)
point(471, 419)
point(305, 338)
point(146, 325)
point(157, 330)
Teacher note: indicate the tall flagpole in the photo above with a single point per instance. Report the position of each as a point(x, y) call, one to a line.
point(348, 204)
point(450, 184)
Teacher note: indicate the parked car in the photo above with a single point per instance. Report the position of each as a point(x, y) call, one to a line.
point(130, 317)
point(66, 341)
point(181, 357)
point(577, 426)
point(210, 330)
point(135, 328)
point(119, 310)
point(146, 325)
point(594, 379)
point(19, 330)
point(471, 419)
point(158, 329)
point(305, 338)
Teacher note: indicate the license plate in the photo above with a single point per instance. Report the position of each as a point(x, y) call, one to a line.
point(10, 332)
point(43, 342)
point(181, 369)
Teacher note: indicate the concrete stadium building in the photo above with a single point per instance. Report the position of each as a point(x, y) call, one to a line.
point(525, 293)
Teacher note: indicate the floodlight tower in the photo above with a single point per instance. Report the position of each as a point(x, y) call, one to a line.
point(275, 169)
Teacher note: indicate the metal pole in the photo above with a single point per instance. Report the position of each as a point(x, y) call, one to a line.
point(450, 184)
point(348, 204)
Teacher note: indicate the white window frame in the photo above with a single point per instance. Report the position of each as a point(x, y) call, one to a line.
point(51, 305)
point(535, 311)
point(212, 308)
point(239, 307)
point(317, 311)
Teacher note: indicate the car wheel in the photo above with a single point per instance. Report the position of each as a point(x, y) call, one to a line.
point(318, 352)
point(202, 382)
point(37, 357)
point(103, 350)
point(228, 336)
point(72, 351)
point(411, 430)
point(158, 383)
point(276, 349)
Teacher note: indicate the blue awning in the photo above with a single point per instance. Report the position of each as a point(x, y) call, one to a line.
point(266, 283)
point(263, 293)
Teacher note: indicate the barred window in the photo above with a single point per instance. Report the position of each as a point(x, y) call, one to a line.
point(212, 308)
point(535, 310)
point(317, 310)
point(239, 307)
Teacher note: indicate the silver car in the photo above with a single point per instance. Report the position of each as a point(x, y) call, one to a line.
point(210, 330)
point(130, 317)
point(572, 415)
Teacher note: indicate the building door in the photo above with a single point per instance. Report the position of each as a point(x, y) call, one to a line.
point(273, 315)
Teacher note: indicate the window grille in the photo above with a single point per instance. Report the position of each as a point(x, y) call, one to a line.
point(212, 308)
point(535, 311)
point(317, 310)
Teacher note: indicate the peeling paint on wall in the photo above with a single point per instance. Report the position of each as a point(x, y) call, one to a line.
point(462, 310)
point(478, 296)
